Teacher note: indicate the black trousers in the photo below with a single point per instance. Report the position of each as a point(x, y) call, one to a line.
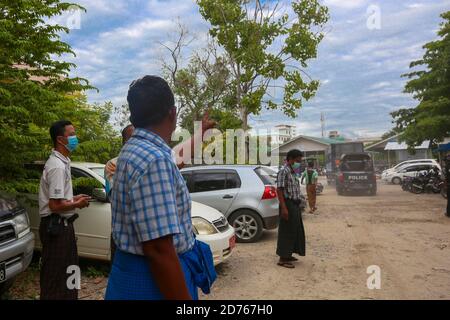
point(291, 233)
point(448, 201)
point(58, 253)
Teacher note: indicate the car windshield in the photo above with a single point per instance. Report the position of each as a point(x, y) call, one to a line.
point(400, 165)
point(99, 170)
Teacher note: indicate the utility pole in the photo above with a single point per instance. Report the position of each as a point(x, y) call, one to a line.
point(322, 121)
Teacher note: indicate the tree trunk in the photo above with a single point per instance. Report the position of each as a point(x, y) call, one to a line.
point(244, 119)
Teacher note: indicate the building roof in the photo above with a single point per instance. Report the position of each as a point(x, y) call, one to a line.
point(285, 125)
point(382, 143)
point(404, 146)
point(323, 141)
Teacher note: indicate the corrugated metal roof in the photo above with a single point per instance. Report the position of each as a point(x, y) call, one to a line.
point(404, 146)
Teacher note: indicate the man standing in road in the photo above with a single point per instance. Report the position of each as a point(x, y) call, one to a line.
point(57, 210)
point(157, 255)
point(310, 176)
point(291, 233)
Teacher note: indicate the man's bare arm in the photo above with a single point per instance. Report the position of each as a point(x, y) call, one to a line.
point(62, 205)
point(189, 144)
point(283, 207)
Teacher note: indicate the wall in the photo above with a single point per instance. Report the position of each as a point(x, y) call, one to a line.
point(403, 155)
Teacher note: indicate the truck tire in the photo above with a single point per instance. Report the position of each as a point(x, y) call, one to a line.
point(248, 225)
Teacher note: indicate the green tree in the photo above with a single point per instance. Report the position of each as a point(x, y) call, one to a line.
point(36, 89)
point(202, 85)
point(264, 47)
point(99, 141)
point(430, 119)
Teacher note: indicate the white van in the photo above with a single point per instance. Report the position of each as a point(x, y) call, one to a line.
point(409, 170)
point(408, 162)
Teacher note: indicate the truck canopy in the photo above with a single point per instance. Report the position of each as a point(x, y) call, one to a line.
point(356, 162)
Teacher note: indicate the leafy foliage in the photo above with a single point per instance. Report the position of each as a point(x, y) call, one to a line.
point(264, 48)
point(430, 119)
point(36, 90)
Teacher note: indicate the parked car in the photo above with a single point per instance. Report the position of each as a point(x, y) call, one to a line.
point(93, 227)
point(356, 173)
point(16, 242)
point(408, 162)
point(410, 170)
point(245, 194)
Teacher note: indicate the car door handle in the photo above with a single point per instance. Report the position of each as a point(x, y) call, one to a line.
point(227, 196)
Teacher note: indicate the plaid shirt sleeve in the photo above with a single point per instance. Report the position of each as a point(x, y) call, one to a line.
point(281, 179)
point(153, 202)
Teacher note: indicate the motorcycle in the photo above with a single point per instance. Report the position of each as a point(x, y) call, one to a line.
point(419, 183)
point(434, 185)
point(406, 183)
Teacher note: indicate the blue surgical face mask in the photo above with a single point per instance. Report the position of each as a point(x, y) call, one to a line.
point(296, 165)
point(72, 143)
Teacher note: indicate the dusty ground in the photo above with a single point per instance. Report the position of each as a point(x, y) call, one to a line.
point(406, 235)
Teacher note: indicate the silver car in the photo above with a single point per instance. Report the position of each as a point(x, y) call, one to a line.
point(246, 195)
point(16, 242)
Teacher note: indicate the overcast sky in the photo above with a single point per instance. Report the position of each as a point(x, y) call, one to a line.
point(359, 63)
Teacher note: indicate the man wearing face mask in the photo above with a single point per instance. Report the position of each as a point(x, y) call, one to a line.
point(57, 207)
point(291, 233)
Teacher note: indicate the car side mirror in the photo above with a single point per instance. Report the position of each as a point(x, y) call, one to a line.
point(99, 194)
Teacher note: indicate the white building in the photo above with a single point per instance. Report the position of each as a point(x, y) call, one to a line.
point(283, 133)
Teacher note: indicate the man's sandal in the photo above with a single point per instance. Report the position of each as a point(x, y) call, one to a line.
point(286, 264)
point(291, 259)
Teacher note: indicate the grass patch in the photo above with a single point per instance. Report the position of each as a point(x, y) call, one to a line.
point(94, 269)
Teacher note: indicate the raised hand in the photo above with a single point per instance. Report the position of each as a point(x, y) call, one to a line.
point(207, 123)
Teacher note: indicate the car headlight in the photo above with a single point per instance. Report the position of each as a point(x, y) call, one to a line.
point(202, 226)
point(22, 224)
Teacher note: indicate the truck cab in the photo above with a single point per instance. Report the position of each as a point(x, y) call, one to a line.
point(356, 173)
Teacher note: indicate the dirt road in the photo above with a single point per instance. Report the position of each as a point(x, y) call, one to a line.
point(406, 235)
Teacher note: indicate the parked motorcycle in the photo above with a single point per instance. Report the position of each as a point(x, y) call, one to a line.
point(425, 182)
point(433, 185)
point(406, 183)
point(418, 184)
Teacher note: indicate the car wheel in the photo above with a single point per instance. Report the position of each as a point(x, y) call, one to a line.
point(396, 180)
point(248, 226)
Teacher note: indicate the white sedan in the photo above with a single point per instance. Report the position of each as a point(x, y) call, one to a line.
point(93, 227)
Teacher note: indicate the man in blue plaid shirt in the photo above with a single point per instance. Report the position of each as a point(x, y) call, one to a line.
point(151, 207)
